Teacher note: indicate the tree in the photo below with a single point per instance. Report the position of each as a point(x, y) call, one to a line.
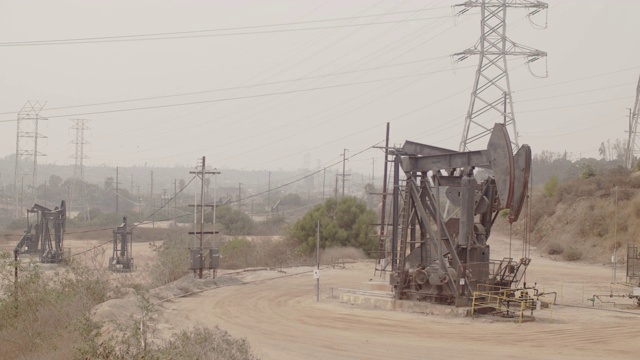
point(346, 222)
point(291, 200)
point(55, 181)
point(108, 183)
point(233, 221)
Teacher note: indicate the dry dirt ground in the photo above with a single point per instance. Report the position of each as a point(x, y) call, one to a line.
point(281, 319)
point(277, 313)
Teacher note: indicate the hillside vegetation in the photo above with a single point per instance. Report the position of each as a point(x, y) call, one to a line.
point(580, 218)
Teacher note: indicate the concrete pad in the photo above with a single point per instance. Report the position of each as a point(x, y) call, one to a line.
point(385, 301)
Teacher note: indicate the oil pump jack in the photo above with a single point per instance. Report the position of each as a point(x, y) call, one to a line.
point(442, 259)
point(46, 236)
point(122, 260)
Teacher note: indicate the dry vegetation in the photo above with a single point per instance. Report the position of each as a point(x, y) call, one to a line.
point(579, 219)
point(49, 313)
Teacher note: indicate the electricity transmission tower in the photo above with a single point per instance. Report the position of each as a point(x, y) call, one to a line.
point(491, 98)
point(633, 146)
point(27, 136)
point(80, 126)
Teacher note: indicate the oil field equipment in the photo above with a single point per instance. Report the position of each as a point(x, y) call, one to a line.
point(204, 259)
point(444, 259)
point(122, 258)
point(633, 264)
point(46, 236)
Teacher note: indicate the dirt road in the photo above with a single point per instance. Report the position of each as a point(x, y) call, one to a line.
point(281, 319)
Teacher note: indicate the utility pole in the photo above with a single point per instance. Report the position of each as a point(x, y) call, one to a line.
point(153, 202)
point(344, 175)
point(269, 194)
point(317, 274)
point(117, 190)
point(164, 201)
point(633, 145)
point(175, 194)
point(492, 76)
point(373, 170)
point(324, 176)
point(202, 174)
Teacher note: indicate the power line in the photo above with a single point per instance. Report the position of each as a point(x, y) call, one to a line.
point(162, 36)
point(575, 92)
point(304, 177)
point(233, 87)
point(238, 97)
point(579, 79)
point(577, 105)
point(223, 29)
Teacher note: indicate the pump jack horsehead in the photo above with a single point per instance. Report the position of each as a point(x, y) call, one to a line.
point(443, 259)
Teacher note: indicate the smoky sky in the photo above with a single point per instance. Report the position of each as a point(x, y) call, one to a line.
point(289, 84)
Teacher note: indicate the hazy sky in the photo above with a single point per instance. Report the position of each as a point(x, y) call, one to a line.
point(266, 96)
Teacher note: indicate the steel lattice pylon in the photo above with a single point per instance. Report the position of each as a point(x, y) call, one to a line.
point(633, 146)
point(80, 126)
point(491, 99)
point(26, 175)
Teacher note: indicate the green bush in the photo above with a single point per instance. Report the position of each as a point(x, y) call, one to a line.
point(346, 222)
point(551, 186)
point(237, 253)
point(233, 222)
point(587, 171)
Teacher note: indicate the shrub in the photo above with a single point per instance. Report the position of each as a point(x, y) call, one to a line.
point(233, 222)
point(273, 225)
point(237, 253)
point(202, 343)
point(551, 186)
point(46, 310)
point(587, 171)
point(241, 253)
point(555, 249)
point(572, 254)
point(172, 259)
point(342, 223)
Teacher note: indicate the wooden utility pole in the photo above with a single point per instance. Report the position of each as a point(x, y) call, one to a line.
point(324, 176)
point(344, 174)
point(317, 273)
point(117, 189)
point(153, 202)
point(201, 233)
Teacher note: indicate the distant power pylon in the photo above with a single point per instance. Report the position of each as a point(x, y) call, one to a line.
point(633, 145)
point(27, 135)
point(491, 99)
point(80, 126)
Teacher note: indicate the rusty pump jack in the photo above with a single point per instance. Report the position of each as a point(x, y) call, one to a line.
point(122, 260)
point(48, 239)
point(440, 259)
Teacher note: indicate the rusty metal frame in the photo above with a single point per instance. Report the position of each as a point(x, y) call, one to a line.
point(456, 246)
